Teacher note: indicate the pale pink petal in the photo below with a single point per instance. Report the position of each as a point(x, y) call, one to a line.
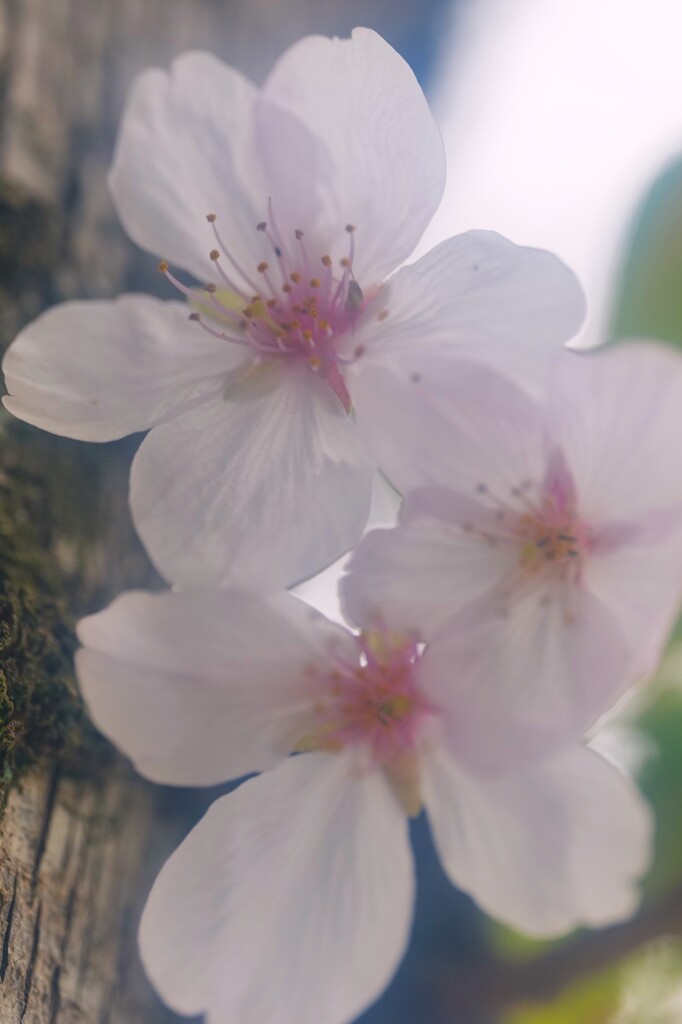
point(190, 144)
point(453, 424)
point(386, 166)
point(514, 679)
point(640, 580)
point(197, 687)
point(616, 414)
point(290, 901)
point(418, 576)
point(265, 485)
point(479, 297)
point(99, 370)
point(544, 850)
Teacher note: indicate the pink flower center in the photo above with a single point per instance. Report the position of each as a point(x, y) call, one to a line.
point(374, 704)
point(543, 523)
point(292, 307)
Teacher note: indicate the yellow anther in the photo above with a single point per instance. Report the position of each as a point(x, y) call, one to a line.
point(323, 325)
point(315, 363)
point(314, 282)
point(271, 303)
point(345, 262)
point(308, 335)
point(326, 261)
point(163, 267)
point(295, 277)
point(262, 267)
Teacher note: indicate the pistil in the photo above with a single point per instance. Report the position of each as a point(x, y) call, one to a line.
point(374, 705)
point(295, 314)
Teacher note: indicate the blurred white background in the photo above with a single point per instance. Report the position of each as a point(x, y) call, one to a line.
point(556, 115)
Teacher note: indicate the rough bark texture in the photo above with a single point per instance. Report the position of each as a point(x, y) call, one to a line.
point(80, 837)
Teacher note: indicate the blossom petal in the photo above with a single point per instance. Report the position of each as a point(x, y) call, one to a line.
point(100, 370)
point(386, 166)
point(455, 424)
point(197, 687)
point(512, 683)
point(261, 486)
point(615, 414)
point(418, 576)
point(544, 850)
point(304, 873)
point(641, 583)
point(190, 144)
point(479, 297)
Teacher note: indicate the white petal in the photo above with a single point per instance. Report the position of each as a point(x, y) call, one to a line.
point(479, 296)
point(255, 487)
point(290, 901)
point(185, 150)
point(197, 687)
point(386, 168)
point(99, 370)
point(418, 576)
point(641, 583)
point(545, 850)
point(455, 424)
point(512, 685)
point(616, 414)
point(192, 142)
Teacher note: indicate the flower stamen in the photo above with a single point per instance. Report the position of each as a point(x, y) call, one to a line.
point(302, 317)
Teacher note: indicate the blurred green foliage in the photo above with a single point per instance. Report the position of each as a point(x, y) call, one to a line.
point(648, 301)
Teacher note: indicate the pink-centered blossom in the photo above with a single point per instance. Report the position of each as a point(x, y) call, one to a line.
point(306, 872)
point(289, 206)
point(542, 540)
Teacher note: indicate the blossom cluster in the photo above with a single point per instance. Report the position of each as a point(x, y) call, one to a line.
point(530, 582)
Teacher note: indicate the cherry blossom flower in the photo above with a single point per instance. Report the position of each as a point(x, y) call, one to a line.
point(306, 871)
point(543, 540)
point(289, 205)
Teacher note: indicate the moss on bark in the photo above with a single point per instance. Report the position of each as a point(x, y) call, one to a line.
point(40, 711)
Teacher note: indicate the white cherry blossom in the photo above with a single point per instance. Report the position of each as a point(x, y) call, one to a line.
point(289, 206)
point(543, 540)
point(305, 871)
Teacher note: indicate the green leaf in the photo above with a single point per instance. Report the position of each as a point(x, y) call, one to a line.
point(648, 300)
